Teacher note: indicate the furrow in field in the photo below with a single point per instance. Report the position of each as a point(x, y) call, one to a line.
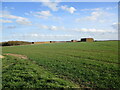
point(77, 70)
point(90, 58)
point(71, 54)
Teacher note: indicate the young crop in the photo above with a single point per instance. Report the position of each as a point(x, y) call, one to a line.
point(92, 65)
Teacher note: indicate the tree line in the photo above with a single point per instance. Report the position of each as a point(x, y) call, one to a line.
point(14, 43)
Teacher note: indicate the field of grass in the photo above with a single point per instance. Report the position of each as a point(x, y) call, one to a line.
point(21, 73)
point(93, 65)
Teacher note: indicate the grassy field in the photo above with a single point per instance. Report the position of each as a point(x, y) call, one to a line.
point(80, 64)
point(21, 73)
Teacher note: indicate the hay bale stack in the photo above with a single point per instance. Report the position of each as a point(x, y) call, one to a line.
point(40, 42)
point(87, 40)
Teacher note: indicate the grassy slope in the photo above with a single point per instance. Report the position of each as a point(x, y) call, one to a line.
point(87, 64)
point(20, 73)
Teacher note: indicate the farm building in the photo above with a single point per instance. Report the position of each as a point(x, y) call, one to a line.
point(87, 40)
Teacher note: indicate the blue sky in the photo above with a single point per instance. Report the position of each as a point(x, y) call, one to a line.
point(45, 21)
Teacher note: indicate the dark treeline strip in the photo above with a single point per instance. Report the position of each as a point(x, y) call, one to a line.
point(14, 43)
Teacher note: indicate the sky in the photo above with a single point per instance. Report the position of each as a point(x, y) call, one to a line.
point(59, 21)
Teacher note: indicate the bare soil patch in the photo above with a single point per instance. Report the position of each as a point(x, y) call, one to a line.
point(17, 55)
point(1, 56)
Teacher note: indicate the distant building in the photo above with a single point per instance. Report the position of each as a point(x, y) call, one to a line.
point(87, 40)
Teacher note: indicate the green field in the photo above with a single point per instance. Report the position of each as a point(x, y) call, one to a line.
point(80, 64)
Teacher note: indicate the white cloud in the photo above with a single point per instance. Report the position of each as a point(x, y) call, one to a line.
point(93, 9)
point(9, 16)
point(51, 5)
point(57, 18)
point(34, 35)
point(111, 8)
point(23, 21)
point(19, 20)
point(40, 37)
point(43, 14)
point(87, 30)
point(6, 21)
point(62, 28)
point(29, 13)
point(95, 15)
point(47, 0)
point(55, 7)
point(9, 7)
point(43, 26)
point(96, 9)
point(46, 15)
point(98, 15)
point(10, 27)
point(115, 25)
point(95, 30)
point(52, 27)
point(48, 35)
point(69, 9)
